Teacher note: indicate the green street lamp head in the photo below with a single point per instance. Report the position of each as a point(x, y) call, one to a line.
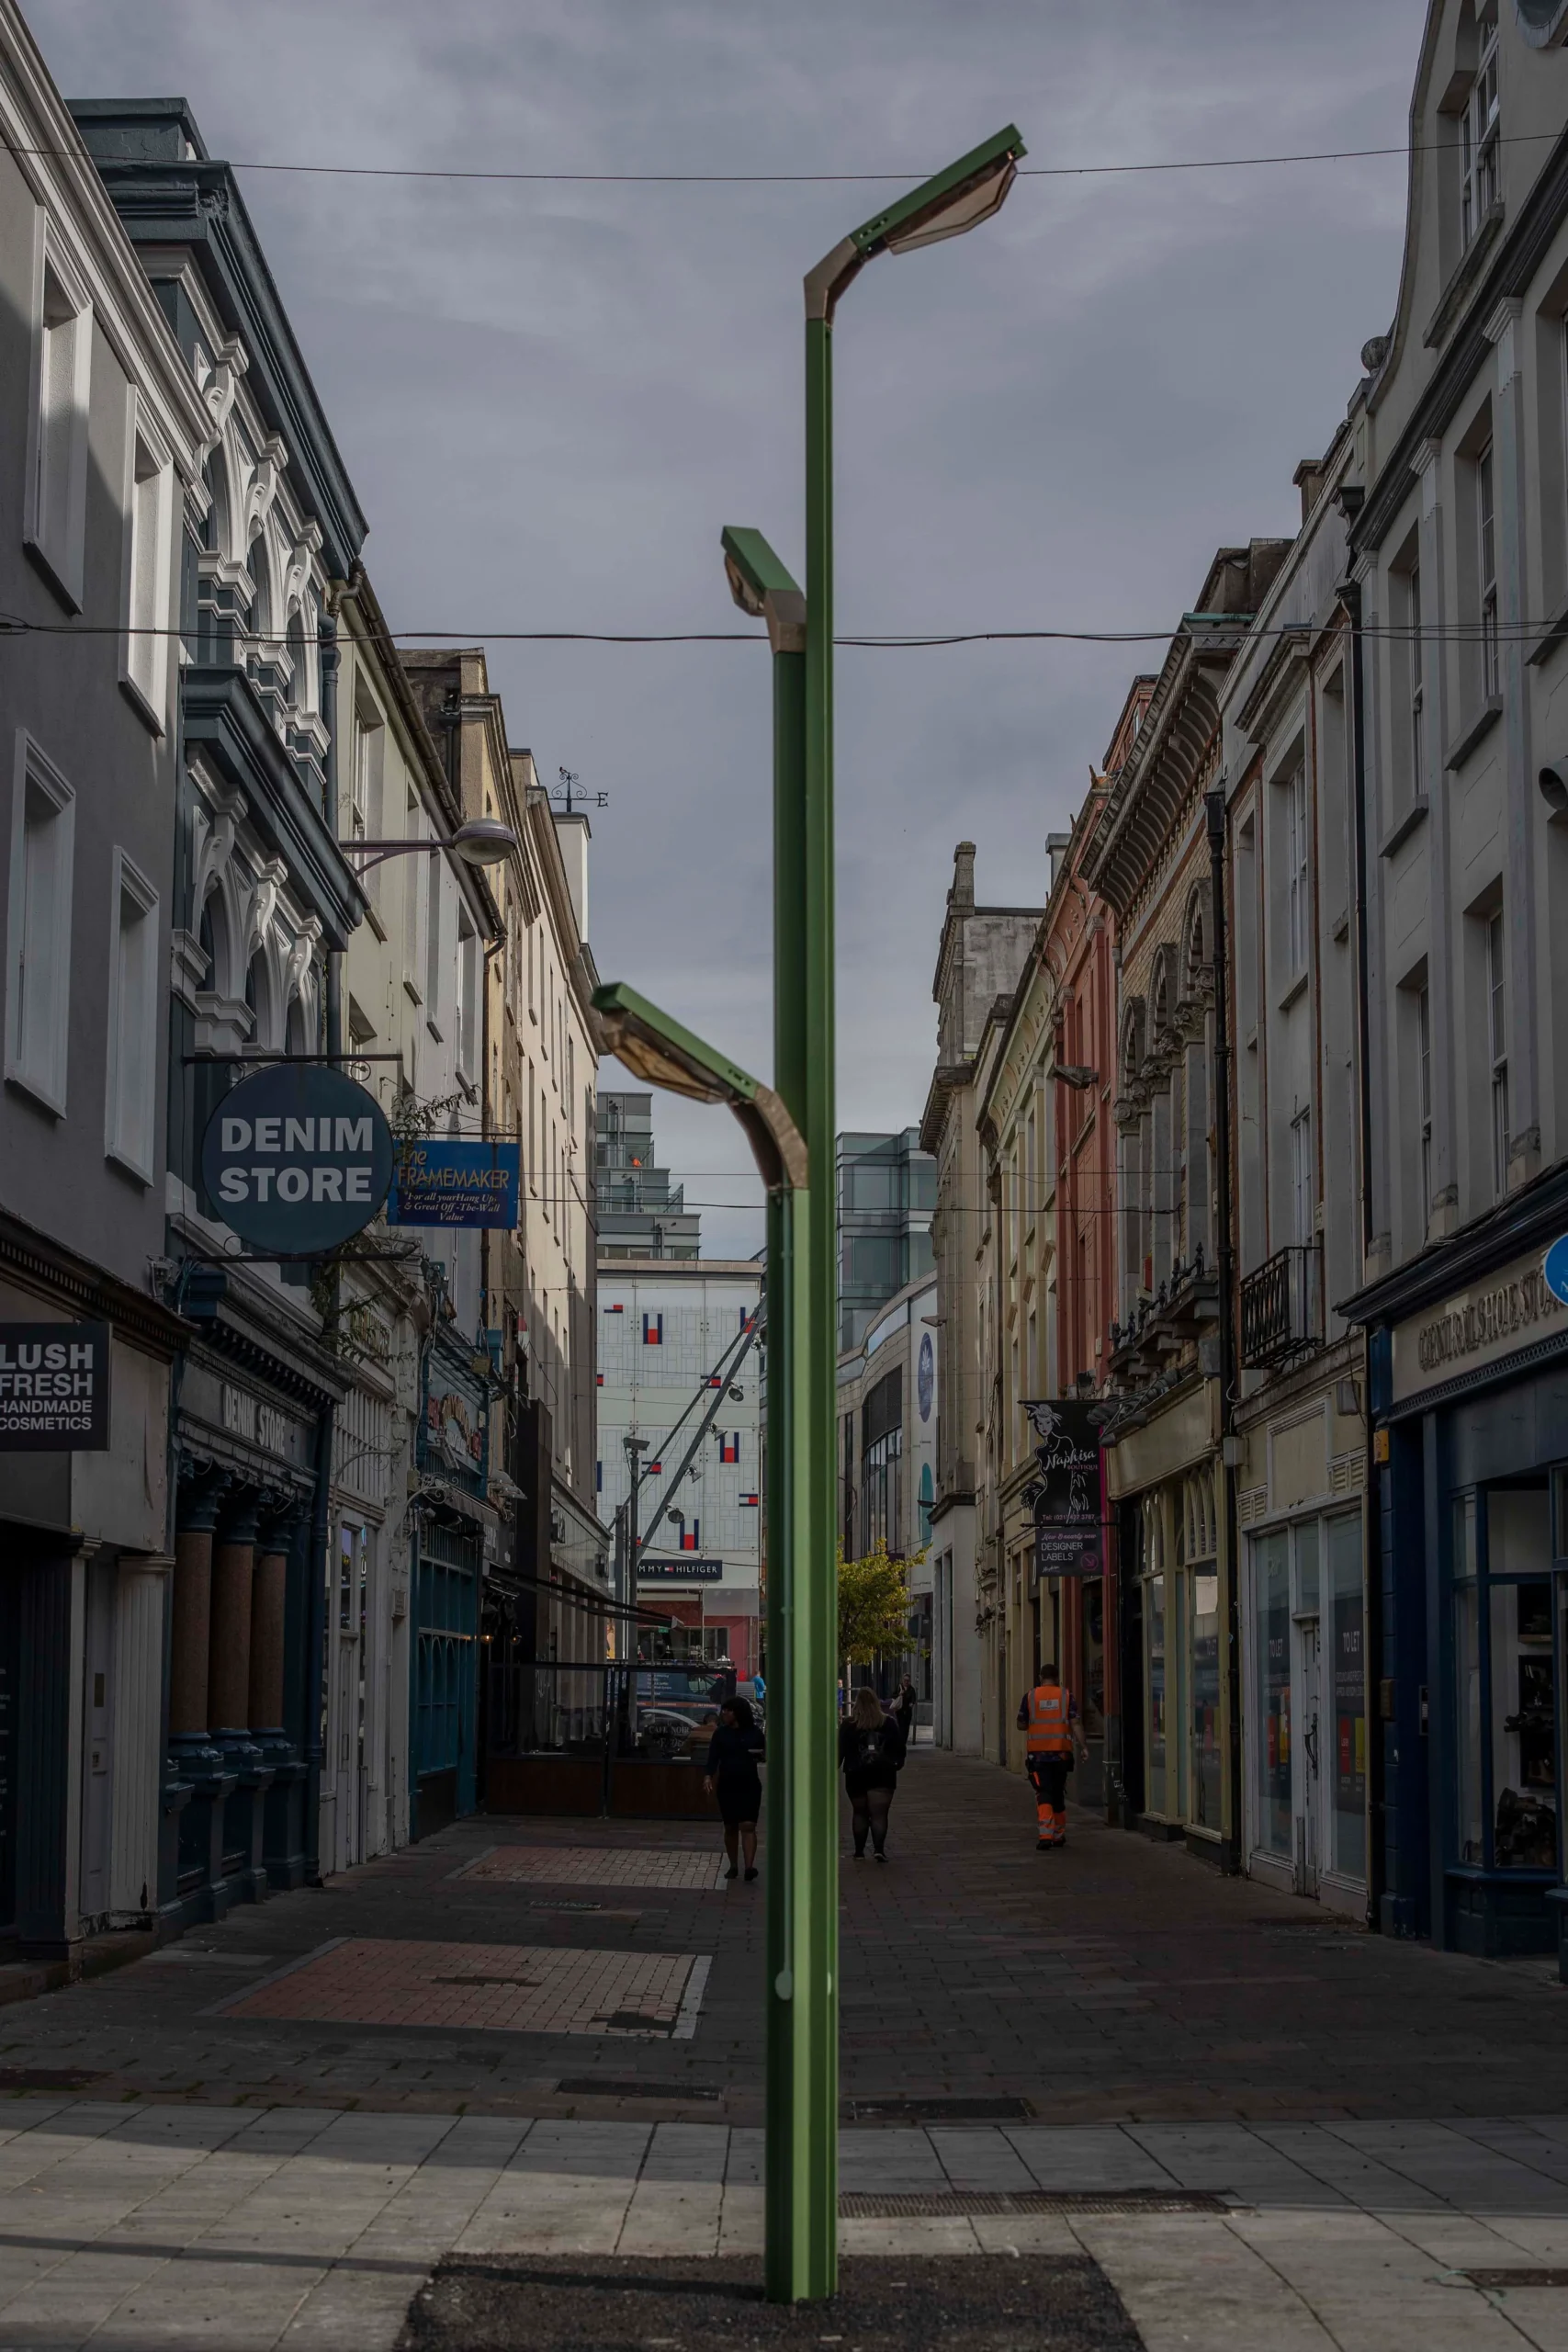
point(762, 586)
point(662, 1052)
point(968, 192)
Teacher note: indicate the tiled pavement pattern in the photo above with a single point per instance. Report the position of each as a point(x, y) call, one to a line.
point(136, 2228)
point(505, 1988)
point(592, 1865)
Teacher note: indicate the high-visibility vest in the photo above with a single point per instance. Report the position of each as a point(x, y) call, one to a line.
point(1050, 1728)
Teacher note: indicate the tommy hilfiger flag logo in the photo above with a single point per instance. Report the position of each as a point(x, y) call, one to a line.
point(689, 1535)
point(730, 1446)
point(653, 1330)
point(749, 1502)
point(616, 1309)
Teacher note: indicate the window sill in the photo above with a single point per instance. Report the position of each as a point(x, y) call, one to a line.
point(1399, 832)
point(142, 708)
point(33, 1089)
point(411, 993)
point(1296, 988)
point(124, 1166)
point(1482, 724)
point(1462, 282)
point(1552, 635)
point(56, 582)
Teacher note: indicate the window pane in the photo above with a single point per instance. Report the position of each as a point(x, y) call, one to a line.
point(1154, 1623)
point(1467, 1695)
point(1272, 1602)
point(1348, 1670)
point(1523, 1692)
point(1205, 1604)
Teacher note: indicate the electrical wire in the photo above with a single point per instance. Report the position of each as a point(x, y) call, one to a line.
point(790, 179)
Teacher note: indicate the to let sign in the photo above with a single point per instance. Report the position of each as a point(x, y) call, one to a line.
point(54, 1387)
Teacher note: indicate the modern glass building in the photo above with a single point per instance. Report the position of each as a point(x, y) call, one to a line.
point(641, 1213)
point(886, 1192)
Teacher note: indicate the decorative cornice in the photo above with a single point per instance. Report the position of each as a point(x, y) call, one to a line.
point(38, 1263)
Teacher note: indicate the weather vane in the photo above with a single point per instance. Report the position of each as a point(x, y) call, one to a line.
point(570, 797)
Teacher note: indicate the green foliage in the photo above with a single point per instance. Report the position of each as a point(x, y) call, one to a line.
point(873, 1606)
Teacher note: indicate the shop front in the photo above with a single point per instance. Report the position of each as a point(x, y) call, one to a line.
point(1470, 1399)
point(1163, 1480)
point(455, 1534)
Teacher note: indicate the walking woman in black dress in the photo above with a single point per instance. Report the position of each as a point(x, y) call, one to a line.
point(871, 1750)
point(732, 1773)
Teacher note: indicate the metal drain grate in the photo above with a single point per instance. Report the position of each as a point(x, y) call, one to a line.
point(607, 2087)
point(1506, 2279)
point(976, 2204)
point(939, 2110)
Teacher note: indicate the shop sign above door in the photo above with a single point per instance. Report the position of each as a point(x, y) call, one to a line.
point(1506, 1310)
point(297, 1159)
point(54, 1387)
point(442, 1181)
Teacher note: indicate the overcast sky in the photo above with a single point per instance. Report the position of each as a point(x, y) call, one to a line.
point(551, 398)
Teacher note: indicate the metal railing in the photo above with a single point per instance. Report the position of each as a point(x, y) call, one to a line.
point(1282, 1307)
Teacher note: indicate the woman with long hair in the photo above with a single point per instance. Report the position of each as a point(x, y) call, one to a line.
point(733, 1777)
point(871, 1750)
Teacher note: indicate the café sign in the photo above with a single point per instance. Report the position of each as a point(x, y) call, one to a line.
point(297, 1159)
point(1508, 1310)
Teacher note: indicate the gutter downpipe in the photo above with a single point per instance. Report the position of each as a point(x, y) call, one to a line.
point(1371, 1647)
point(316, 1643)
point(1215, 809)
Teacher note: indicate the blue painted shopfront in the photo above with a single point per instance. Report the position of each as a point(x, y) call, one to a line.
point(1470, 1395)
point(449, 1530)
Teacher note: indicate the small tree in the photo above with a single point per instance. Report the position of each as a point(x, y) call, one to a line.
point(873, 1606)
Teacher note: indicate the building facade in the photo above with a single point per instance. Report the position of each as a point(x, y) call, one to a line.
point(888, 1402)
point(641, 1213)
point(886, 1190)
point(1297, 1476)
point(982, 952)
point(680, 1371)
point(1460, 553)
point(1149, 860)
point(101, 489)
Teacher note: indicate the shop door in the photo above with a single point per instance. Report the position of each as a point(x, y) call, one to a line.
point(1309, 1752)
point(97, 1742)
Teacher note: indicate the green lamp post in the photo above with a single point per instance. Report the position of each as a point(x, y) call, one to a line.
point(802, 1853)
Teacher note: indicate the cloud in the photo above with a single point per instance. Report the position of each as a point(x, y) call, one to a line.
point(551, 398)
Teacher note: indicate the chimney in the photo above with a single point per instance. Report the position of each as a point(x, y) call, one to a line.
point(1058, 846)
point(1308, 479)
point(961, 897)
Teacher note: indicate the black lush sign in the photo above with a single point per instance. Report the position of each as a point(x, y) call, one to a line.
point(1065, 1492)
point(54, 1387)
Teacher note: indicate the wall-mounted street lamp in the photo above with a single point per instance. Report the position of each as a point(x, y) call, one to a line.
point(483, 841)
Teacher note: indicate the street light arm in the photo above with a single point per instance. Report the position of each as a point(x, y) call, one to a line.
point(662, 1053)
point(762, 587)
point(952, 201)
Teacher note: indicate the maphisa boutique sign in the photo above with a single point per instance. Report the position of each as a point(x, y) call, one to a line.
point(54, 1387)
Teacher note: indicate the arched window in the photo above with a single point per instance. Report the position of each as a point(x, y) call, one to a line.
point(218, 534)
point(258, 996)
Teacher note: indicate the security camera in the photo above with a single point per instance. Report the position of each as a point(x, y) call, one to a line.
point(1555, 790)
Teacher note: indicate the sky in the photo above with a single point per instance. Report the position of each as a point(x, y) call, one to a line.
point(551, 397)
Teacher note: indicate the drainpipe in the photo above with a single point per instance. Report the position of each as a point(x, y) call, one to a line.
point(1373, 1645)
point(1214, 809)
point(316, 1643)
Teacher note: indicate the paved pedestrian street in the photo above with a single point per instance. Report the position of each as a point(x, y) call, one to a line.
point(1211, 2115)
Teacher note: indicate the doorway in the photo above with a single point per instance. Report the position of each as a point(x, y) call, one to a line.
point(1308, 1806)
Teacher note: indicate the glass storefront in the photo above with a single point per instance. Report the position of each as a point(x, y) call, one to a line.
point(1183, 1744)
point(1506, 1679)
point(1308, 1701)
point(1154, 1654)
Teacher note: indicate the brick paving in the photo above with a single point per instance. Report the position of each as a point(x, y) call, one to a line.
point(593, 1866)
point(501, 1989)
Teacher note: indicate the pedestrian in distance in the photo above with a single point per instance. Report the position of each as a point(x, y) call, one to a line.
point(871, 1755)
point(1048, 1717)
point(903, 1708)
point(732, 1775)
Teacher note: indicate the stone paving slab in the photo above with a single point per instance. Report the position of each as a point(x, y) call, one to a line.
point(595, 1866)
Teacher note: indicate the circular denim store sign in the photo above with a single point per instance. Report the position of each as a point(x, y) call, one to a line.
point(1555, 1268)
point(297, 1159)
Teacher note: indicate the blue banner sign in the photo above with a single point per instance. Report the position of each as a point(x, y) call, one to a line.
point(441, 1181)
point(297, 1159)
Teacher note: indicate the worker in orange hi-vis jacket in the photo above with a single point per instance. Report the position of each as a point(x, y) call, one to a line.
point(1048, 1717)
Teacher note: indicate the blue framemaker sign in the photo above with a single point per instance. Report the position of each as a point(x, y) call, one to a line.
point(438, 1182)
point(297, 1159)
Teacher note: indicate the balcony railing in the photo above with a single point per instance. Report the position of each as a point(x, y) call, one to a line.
point(1282, 1308)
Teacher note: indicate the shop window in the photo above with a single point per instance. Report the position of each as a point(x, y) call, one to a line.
point(1505, 1681)
point(1196, 1546)
point(1347, 1766)
point(1154, 1651)
point(1271, 1571)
